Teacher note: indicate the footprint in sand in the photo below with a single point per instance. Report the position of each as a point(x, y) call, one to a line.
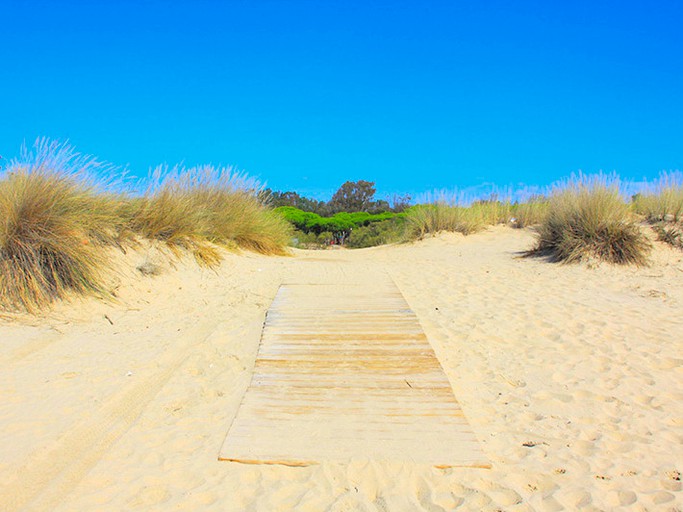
point(351, 501)
point(621, 498)
point(575, 499)
point(150, 495)
point(661, 497)
point(668, 363)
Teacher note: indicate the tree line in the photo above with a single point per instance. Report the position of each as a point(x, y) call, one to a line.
point(351, 197)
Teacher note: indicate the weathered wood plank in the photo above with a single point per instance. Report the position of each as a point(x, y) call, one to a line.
point(346, 372)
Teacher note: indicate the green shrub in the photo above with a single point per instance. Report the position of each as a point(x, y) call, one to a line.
point(378, 233)
point(341, 225)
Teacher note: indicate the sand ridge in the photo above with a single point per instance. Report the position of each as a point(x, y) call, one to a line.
point(570, 376)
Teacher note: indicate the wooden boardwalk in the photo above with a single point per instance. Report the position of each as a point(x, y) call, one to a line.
point(345, 371)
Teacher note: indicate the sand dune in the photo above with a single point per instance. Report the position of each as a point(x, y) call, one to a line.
point(570, 376)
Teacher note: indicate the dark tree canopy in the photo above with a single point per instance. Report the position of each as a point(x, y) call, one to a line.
point(400, 203)
point(353, 196)
point(306, 204)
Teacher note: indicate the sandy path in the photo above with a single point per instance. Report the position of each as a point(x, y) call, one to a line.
point(571, 377)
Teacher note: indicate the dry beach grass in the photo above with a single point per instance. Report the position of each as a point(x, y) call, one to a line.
point(57, 218)
point(53, 224)
point(587, 218)
point(59, 215)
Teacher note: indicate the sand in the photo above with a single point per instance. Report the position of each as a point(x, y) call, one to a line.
point(571, 377)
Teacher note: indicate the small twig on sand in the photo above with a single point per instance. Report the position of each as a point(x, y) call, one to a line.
point(109, 319)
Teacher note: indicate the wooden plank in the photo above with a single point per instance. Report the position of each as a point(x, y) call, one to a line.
point(346, 372)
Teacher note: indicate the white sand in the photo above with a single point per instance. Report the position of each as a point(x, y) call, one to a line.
point(583, 365)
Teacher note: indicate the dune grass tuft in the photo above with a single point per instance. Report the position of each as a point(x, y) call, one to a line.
point(669, 233)
point(428, 219)
point(491, 211)
point(663, 201)
point(53, 223)
point(57, 216)
point(200, 208)
point(587, 218)
point(530, 213)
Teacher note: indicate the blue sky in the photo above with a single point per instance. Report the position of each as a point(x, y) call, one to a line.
point(308, 94)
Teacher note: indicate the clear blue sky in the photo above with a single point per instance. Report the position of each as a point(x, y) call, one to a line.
point(308, 94)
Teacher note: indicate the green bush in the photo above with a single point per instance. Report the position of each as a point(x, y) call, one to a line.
point(378, 233)
point(342, 226)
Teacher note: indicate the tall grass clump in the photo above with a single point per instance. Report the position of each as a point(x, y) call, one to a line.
point(531, 212)
point(425, 219)
point(200, 208)
point(53, 223)
point(491, 211)
point(588, 218)
point(669, 233)
point(663, 201)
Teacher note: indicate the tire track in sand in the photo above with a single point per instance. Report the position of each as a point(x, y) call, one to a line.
point(30, 348)
point(49, 475)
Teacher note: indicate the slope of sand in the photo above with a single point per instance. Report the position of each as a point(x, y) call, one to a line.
point(570, 376)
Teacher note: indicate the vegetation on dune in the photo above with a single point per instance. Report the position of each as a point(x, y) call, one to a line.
point(196, 209)
point(354, 196)
point(422, 220)
point(352, 217)
point(337, 228)
point(529, 213)
point(662, 206)
point(312, 222)
point(384, 232)
point(351, 197)
point(445, 215)
point(669, 233)
point(492, 211)
point(587, 218)
point(57, 216)
point(52, 220)
point(364, 222)
point(663, 202)
point(290, 198)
